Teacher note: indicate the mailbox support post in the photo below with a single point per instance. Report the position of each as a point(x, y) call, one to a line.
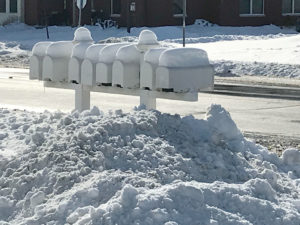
point(147, 100)
point(82, 98)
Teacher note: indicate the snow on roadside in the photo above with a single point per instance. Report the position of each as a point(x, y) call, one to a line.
point(143, 167)
point(260, 51)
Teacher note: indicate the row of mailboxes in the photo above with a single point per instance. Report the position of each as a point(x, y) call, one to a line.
point(143, 65)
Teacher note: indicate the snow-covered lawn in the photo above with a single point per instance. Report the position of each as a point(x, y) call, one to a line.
point(263, 51)
point(142, 167)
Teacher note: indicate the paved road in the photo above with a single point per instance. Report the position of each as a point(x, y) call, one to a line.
point(253, 115)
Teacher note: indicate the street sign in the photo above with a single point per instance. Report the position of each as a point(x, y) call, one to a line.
point(81, 4)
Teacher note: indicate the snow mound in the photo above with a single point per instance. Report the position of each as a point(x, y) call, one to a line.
point(83, 34)
point(147, 37)
point(183, 57)
point(143, 167)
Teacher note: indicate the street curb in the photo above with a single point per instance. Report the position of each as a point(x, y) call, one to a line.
point(257, 91)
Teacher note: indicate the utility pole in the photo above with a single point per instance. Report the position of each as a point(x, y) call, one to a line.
point(80, 11)
point(74, 13)
point(183, 20)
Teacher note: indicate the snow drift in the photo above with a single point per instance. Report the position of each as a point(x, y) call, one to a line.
point(143, 167)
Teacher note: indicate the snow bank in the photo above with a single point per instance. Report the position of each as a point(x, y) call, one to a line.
point(129, 54)
point(143, 167)
point(108, 53)
point(183, 57)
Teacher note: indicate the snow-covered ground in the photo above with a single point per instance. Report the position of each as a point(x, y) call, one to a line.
point(260, 51)
point(142, 167)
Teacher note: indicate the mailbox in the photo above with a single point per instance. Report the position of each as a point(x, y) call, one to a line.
point(126, 67)
point(148, 68)
point(88, 69)
point(184, 70)
point(36, 60)
point(104, 67)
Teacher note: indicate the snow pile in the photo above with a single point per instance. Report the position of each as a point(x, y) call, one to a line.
point(142, 167)
point(183, 57)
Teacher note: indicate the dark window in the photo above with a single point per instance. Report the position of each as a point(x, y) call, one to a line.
point(2, 6)
point(177, 7)
point(252, 7)
point(245, 7)
point(287, 6)
point(290, 6)
point(13, 6)
point(297, 6)
point(257, 6)
point(116, 7)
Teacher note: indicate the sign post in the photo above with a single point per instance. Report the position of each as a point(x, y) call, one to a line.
point(80, 4)
point(183, 25)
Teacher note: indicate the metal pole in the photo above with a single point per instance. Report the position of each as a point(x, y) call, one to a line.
point(80, 14)
point(183, 26)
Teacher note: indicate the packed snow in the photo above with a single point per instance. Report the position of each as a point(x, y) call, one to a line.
point(184, 58)
point(142, 167)
point(234, 51)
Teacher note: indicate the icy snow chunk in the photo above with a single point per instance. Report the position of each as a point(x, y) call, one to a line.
point(147, 37)
point(40, 48)
point(37, 199)
point(61, 49)
point(152, 55)
point(128, 196)
point(291, 157)
point(184, 57)
point(92, 53)
point(129, 54)
point(83, 34)
point(108, 53)
point(38, 138)
point(221, 120)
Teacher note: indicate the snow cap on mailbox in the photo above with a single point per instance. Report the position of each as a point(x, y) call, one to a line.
point(183, 58)
point(147, 37)
point(82, 34)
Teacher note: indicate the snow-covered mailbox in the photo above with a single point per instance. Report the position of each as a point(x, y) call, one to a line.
point(107, 57)
point(84, 41)
point(36, 60)
point(88, 69)
point(142, 69)
point(184, 70)
point(148, 68)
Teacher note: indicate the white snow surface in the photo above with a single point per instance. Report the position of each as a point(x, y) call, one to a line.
point(60, 49)
point(147, 37)
point(92, 53)
point(234, 51)
point(142, 167)
point(183, 58)
point(152, 55)
point(129, 54)
point(40, 49)
point(108, 53)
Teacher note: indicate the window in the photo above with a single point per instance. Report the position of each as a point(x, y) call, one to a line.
point(290, 6)
point(115, 7)
point(251, 7)
point(2, 6)
point(13, 6)
point(177, 7)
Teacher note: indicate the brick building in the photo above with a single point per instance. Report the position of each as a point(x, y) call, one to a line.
point(152, 12)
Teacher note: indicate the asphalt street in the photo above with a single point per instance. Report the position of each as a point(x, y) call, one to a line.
point(258, 115)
